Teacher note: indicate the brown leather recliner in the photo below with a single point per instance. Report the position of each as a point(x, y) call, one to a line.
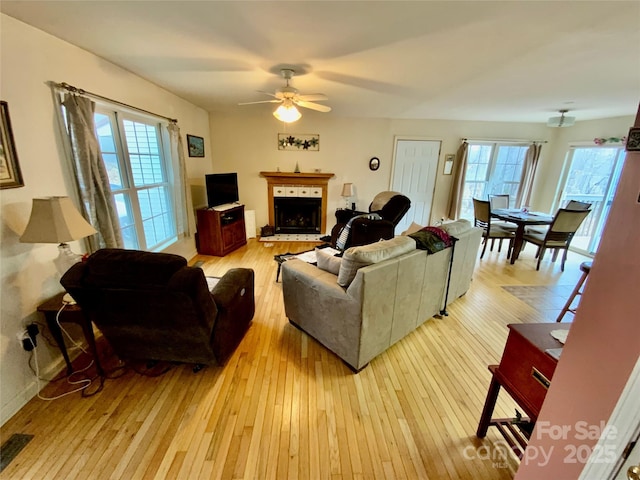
point(152, 306)
point(390, 206)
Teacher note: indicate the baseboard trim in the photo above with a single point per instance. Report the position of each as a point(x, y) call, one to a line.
point(31, 389)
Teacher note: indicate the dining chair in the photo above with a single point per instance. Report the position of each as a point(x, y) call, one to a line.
point(576, 205)
point(571, 205)
point(559, 235)
point(501, 201)
point(482, 214)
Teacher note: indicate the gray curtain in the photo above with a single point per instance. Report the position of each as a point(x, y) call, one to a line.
point(92, 178)
point(528, 174)
point(457, 189)
point(181, 192)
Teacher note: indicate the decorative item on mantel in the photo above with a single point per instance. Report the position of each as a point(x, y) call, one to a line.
point(308, 142)
point(602, 140)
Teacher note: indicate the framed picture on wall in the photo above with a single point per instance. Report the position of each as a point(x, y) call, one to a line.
point(196, 146)
point(10, 175)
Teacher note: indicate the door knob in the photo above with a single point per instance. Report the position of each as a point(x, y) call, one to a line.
point(634, 473)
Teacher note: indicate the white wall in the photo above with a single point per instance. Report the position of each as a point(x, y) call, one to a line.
point(246, 142)
point(29, 59)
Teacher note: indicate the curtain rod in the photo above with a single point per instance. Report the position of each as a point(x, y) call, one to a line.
point(79, 91)
point(512, 140)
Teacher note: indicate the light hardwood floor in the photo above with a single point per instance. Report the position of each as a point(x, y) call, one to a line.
point(285, 407)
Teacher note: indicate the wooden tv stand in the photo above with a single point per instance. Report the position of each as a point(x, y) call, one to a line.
point(221, 231)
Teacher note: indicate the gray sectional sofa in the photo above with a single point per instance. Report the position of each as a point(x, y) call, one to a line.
point(394, 289)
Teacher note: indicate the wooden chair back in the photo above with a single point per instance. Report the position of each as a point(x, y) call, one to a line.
point(482, 213)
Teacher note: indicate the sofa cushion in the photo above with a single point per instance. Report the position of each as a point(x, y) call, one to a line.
point(456, 227)
point(356, 257)
point(414, 227)
point(328, 262)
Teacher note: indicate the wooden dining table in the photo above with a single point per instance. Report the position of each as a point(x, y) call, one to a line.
point(522, 220)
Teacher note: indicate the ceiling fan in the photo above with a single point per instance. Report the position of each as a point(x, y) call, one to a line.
point(289, 97)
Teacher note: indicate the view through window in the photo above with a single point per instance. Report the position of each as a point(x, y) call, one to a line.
point(592, 177)
point(133, 152)
point(493, 168)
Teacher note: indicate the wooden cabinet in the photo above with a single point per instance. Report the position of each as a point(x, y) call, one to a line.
point(525, 372)
point(221, 231)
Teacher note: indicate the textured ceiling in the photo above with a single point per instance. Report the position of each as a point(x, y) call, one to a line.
point(479, 60)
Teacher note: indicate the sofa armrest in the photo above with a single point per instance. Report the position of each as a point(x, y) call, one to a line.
point(234, 296)
point(190, 281)
point(343, 215)
point(315, 303)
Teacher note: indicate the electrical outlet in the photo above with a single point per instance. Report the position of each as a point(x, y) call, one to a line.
point(23, 335)
point(27, 337)
point(25, 340)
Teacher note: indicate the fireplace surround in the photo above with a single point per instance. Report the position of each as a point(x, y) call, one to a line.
point(297, 201)
point(297, 215)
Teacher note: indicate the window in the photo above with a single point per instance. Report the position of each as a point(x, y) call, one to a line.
point(133, 152)
point(591, 176)
point(492, 169)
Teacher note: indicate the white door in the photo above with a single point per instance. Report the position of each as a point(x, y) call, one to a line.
point(414, 175)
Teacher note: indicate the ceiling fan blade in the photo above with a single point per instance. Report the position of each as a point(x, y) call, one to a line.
point(313, 97)
point(261, 101)
point(368, 84)
point(268, 93)
point(313, 106)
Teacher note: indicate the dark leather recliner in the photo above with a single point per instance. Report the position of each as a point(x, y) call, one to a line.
point(389, 205)
point(152, 306)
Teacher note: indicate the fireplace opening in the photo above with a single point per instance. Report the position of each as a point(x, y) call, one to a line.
point(297, 215)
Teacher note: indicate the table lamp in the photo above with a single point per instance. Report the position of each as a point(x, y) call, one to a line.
point(347, 193)
point(56, 220)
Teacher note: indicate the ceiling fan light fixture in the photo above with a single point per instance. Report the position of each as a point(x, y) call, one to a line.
point(287, 113)
point(561, 121)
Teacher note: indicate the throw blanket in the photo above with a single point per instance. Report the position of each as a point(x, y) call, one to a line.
point(432, 239)
point(344, 233)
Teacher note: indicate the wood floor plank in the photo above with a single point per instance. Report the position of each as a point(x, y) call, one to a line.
point(286, 407)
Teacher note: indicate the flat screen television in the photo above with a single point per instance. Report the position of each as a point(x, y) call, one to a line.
point(222, 188)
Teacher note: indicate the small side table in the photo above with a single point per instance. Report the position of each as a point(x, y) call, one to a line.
point(70, 314)
point(280, 259)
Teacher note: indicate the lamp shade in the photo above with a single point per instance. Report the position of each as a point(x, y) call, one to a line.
point(347, 190)
point(55, 220)
point(287, 113)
